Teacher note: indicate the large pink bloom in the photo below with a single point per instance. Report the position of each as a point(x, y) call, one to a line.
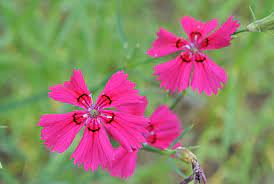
point(163, 129)
point(110, 114)
point(192, 67)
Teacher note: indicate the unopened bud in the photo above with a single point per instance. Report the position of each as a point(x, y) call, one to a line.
point(263, 24)
point(185, 155)
point(198, 175)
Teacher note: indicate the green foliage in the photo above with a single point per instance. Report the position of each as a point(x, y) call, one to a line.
point(42, 41)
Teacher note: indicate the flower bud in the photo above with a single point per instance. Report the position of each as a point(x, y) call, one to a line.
point(198, 175)
point(263, 24)
point(185, 155)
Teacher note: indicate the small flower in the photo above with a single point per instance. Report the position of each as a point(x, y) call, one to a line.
point(192, 67)
point(164, 127)
point(108, 115)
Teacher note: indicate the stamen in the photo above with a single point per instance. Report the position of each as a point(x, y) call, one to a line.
point(111, 118)
point(188, 47)
point(195, 36)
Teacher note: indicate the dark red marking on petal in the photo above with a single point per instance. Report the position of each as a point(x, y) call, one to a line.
point(204, 43)
point(84, 99)
point(104, 100)
point(152, 139)
point(94, 129)
point(150, 128)
point(186, 57)
point(200, 58)
point(109, 99)
point(195, 36)
point(179, 43)
point(111, 119)
point(77, 119)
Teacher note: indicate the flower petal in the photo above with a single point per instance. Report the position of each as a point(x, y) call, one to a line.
point(59, 130)
point(164, 127)
point(208, 77)
point(74, 92)
point(118, 91)
point(165, 44)
point(93, 150)
point(135, 108)
point(222, 36)
point(124, 163)
point(174, 75)
point(197, 28)
point(126, 128)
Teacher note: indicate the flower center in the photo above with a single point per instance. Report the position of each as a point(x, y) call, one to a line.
point(93, 113)
point(193, 48)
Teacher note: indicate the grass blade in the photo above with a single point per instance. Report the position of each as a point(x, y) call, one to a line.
point(180, 137)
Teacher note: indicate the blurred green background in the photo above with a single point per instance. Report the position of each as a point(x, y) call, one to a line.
point(42, 41)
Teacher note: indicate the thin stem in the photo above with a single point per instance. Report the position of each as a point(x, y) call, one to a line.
point(159, 151)
point(241, 31)
point(176, 101)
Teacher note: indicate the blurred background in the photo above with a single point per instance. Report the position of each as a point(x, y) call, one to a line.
point(42, 41)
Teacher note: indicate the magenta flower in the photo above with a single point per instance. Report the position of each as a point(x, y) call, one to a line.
point(192, 67)
point(109, 115)
point(164, 128)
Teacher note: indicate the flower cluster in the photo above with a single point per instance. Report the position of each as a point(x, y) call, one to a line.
point(118, 112)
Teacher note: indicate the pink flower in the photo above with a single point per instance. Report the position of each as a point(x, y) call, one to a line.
point(192, 67)
point(108, 115)
point(164, 128)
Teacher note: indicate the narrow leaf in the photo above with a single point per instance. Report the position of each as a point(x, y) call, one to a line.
point(252, 13)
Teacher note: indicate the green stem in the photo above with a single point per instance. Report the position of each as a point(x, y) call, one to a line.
point(177, 100)
point(167, 152)
point(241, 31)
